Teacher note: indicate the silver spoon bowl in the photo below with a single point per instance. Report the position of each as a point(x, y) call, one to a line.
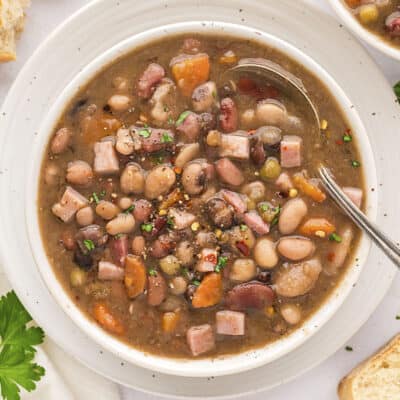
point(293, 87)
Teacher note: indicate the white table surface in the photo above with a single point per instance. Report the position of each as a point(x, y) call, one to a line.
point(321, 382)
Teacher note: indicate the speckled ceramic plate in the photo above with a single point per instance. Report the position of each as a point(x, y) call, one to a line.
point(99, 27)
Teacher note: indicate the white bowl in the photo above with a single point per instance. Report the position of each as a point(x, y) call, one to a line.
point(357, 28)
point(210, 366)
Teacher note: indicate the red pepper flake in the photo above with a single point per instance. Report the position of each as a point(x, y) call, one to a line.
point(212, 258)
point(339, 142)
point(243, 248)
point(330, 257)
point(249, 86)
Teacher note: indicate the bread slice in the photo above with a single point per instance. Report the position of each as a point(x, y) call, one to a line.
point(12, 18)
point(377, 378)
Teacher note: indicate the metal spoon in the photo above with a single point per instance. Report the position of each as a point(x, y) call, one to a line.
point(293, 87)
point(280, 78)
point(380, 239)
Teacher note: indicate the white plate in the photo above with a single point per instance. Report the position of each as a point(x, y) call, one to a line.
point(98, 27)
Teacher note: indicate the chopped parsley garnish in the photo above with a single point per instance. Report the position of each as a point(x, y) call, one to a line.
point(396, 89)
point(185, 272)
point(277, 214)
point(334, 237)
point(196, 282)
point(89, 244)
point(157, 159)
point(347, 138)
point(17, 351)
point(147, 227)
point(103, 193)
point(129, 209)
point(118, 236)
point(214, 94)
point(170, 120)
point(264, 207)
point(182, 118)
point(145, 132)
point(96, 197)
point(243, 227)
point(355, 164)
point(152, 272)
point(166, 138)
point(221, 263)
point(170, 222)
point(348, 348)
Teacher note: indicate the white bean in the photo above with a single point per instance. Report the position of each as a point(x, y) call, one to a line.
point(170, 265)
point(265, 253)
point(119, 102)
point(79, 173)
point(243, 270)
point(295, 248)
point(271, 112)
point(61, 141)
point(107, 210)
point(123, 223)
point(291, 313)
point(255, 190)
point(85, 216)
point(138, 245)
point(185, 253)
point(188, 153)
point(339, 251)
point(132, 179)
point(52, 174)
point(159, 181)
point(291, 215)
point(125, 202)
point(124, 144)
point(178, 285)
point(120, 83)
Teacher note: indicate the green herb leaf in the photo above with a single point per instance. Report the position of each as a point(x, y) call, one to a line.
point(118, 236)
point(129, 209)
point(221, 263)
point(264, 207)
point(170, 222)
point(334, 237)
point(152, 272)
point(277, 214)
point(243, 227)
point(166, 138)
point(147, 227)
point(145, 132)
point(347, 138)
point(398, 317)
point(103, 193)
point(89, 244)
point(185, 272)
point(196, 283)
point(396, 89)
point(348, 348)
point(95, 198)
point(16, 349)
point(355, 164)
point(182, 118)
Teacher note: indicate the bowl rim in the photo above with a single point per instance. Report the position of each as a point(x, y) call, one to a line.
point(222, 365)
point(372, 39)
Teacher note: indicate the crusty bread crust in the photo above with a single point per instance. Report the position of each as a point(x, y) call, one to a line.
point(12, 18)
point(387, 356)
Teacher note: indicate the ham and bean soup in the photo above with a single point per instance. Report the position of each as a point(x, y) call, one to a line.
point(180, 208)
point(381, 17)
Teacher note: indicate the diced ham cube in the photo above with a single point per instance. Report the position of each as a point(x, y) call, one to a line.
point(253, 220)
point(119, 249)
point(105, 158)
point(158, 140)
point(284, 182)
point(291, 151)
point(200, 339)
point(190, 127)
point(148, 80)
point(354, 194)
point(235, 200)
point(208, 260)
point(110, 272)
point(230, 322)
point(234, 146)
point(180, 218)
point(70, 203)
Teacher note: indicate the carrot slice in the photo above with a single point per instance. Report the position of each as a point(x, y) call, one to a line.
point(313, 225)
point(170, 321)
point(190, 72)
point(353, 3)
point(135, 276)
point(209, 292)
point(308, 188)
point(107, 320)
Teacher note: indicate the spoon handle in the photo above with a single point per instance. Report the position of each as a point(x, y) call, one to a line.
point(382, 241)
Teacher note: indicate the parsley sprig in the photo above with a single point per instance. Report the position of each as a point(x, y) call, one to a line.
point(17, 341)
